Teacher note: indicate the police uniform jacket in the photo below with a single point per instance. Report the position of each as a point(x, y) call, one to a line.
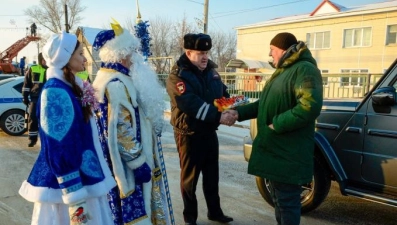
point(192, 94)
point(34, 81)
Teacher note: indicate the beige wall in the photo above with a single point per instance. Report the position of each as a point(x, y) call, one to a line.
point(253, 43)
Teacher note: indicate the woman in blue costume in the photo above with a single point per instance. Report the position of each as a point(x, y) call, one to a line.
point(131, 120)
point(70, 180)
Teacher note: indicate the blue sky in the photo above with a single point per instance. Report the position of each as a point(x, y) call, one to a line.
point(223, 15)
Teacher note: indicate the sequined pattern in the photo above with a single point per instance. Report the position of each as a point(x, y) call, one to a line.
point(158, 214)
point(125, 209)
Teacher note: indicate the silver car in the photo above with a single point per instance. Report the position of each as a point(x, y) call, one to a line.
point(12, 109)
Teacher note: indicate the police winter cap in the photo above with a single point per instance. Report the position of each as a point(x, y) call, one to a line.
point(284, 40)
point(199, 42)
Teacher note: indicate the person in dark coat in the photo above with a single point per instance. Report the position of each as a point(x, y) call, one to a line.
point(192, 86)
point(33, 29)
point(22, 62)
point(289, 104)
point(33, 83)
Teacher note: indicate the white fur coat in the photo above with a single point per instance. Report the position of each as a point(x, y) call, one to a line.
point(119, 94)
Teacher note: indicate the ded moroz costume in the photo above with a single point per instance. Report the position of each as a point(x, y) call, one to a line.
point(130, 121)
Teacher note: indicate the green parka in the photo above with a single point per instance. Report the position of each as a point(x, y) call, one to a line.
point(291, 100)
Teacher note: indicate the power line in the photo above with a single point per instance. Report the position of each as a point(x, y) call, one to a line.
point(195, 2)
point(13, 28)
point(229, 13)
point(12, 15)
point(212, 18)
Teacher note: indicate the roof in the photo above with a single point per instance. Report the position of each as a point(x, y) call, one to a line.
point(327, 6)
point(248, 64)
point(339, 11)
point(89, 33)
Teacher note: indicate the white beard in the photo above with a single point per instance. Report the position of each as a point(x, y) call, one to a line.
point(150, 92)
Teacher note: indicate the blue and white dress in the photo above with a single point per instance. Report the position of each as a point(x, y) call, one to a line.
point(70, 166)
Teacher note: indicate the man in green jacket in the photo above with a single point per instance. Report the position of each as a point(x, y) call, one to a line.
point(286, 112)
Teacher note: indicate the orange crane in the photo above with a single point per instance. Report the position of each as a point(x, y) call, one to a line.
point(7, 55)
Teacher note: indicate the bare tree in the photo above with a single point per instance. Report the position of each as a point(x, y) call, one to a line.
point(50, 14)
point(161, 32)
point(167, 43)
point(180, 29)
point(223, 48)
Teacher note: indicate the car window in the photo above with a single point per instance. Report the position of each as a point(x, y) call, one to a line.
point(6, 80)
point(18, 87)
point(3, 77)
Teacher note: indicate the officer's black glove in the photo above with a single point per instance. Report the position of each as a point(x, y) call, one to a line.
point(26, 101)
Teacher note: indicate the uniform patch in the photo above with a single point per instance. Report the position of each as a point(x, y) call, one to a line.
point(180, 86)
point(215, 75)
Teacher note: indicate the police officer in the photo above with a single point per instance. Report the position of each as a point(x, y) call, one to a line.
point(34, 81)
point(192, 86)
point(84, 75)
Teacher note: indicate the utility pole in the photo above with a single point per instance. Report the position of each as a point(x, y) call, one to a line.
point(66, 19)
point(206, 16)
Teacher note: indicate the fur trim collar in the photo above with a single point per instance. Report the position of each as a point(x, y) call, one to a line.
point(104, 76)
point(53, 72)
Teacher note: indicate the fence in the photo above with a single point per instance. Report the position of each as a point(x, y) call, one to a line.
point(334, 85)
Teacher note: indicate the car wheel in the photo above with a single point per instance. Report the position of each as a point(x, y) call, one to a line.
point(13, 122)
point(313, 194)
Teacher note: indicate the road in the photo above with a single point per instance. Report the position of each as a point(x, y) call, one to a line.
point(239, 196)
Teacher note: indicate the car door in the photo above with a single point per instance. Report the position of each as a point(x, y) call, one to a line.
point(379, 158)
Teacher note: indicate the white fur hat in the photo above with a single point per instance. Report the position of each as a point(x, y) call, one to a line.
point(58, 49)
point(57, 52)
point(115, 46)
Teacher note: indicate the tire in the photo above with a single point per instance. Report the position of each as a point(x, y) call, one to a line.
point(12, 122)
point(313, 194)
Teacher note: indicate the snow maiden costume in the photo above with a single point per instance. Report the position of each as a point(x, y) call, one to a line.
point(131, 120)
point(70, 168)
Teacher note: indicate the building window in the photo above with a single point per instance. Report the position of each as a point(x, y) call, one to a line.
point(351, 77)
point(325, 79)
point(391, 34)
point(318, 40)
point(358, 37)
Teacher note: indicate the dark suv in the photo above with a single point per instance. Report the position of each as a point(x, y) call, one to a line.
point(356, 146)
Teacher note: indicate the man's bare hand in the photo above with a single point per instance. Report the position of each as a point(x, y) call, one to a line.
point(229, 117)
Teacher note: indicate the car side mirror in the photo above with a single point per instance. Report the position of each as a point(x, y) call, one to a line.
point(384, 96)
